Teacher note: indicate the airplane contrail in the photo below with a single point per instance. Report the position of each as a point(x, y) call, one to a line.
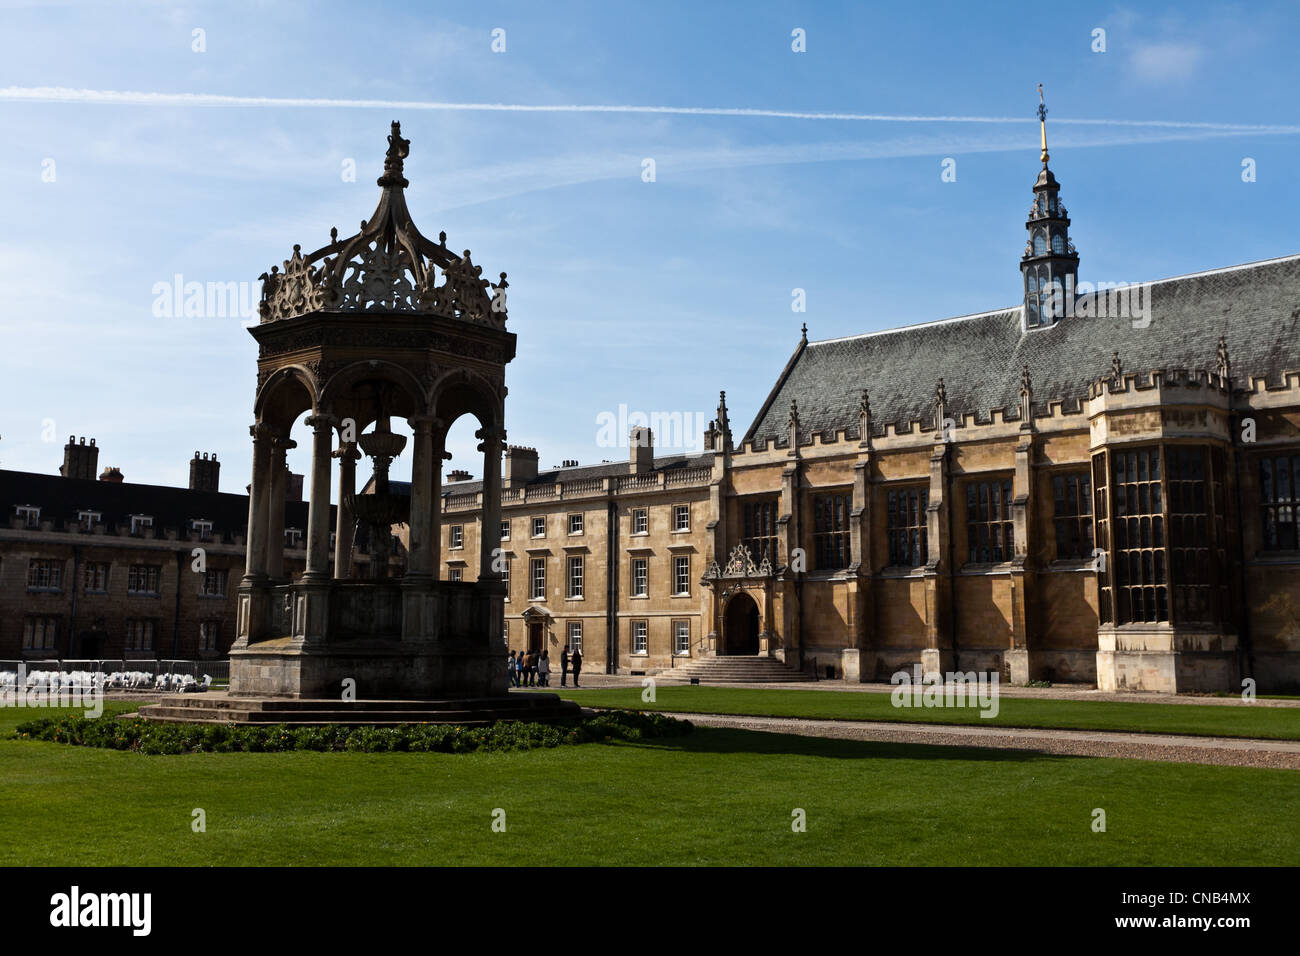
point(61, 94)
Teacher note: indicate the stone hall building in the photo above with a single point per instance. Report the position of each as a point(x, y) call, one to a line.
point(1096, 485)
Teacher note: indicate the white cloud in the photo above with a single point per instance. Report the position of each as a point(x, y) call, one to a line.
point(1167, 62)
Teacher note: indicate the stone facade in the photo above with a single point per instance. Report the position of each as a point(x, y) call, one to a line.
point(107, 569)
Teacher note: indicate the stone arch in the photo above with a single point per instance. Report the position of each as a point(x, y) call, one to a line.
point(403, 398)
point(284, 396)
point(461, 392)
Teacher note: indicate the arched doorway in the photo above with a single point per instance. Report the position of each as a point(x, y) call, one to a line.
point(740, 626)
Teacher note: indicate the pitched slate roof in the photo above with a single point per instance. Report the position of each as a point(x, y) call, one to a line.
point(1255, 306)
point(606, 469)
point(61, 498)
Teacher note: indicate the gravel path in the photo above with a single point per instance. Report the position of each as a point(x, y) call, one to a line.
point(1223, 751)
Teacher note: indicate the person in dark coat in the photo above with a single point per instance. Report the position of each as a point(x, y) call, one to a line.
point(576, 661)
point(564, 667)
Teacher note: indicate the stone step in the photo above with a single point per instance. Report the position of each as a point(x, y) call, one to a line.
point(737, 670)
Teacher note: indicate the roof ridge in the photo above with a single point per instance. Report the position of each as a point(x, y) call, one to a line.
point(919, 325)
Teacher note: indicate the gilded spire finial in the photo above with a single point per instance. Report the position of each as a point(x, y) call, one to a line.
point(1042, 124)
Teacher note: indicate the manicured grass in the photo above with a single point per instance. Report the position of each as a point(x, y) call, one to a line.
point(711, 797)
point(1276, 723)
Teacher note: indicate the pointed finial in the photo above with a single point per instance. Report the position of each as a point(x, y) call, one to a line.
point(1223, 366)
point(1042, 124)
point(334, 234)
point(864, 420)
point(803, 336)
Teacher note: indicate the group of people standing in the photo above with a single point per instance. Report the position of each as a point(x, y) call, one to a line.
point(531, 669)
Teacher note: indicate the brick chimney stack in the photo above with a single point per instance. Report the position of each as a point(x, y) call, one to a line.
point(642, 444)
point(458, 475)
point(205, 472)
point(521, 466)
point(112, 473)
point(293, 487)
point(79, 460)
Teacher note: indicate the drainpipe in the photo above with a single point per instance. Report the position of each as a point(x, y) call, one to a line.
point(611, 589)
point(952, 561)
point(176, 616)
point(1245, 649)
point(76, 576)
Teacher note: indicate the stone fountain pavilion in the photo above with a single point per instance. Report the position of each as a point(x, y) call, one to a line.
point(385, 323)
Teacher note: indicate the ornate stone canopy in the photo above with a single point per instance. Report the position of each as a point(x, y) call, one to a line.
point(388, 266)
point(380, 326)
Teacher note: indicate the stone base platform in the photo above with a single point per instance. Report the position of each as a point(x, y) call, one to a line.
point(220, 708)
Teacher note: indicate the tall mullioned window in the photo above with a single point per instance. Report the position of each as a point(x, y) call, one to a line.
point(213, 583)
point(1279, 497)
point(40, 632)
point(831, 547)
point(143, 579)
point(1072, 515)
point(140, 634)
point(96, 578)
point(1140, 572)
point(905, 526)
point(640, 577)
point(990, 535)
point(45, 574)
point(209, 635)
point(758, 528)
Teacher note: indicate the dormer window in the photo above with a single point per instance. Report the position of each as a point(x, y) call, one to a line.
point(203, 527)
point(88, 519)
point(30, 515)
point(139, 523)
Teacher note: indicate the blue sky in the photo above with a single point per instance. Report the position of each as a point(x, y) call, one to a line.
point(650, 295)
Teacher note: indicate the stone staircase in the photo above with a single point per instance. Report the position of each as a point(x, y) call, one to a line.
point(219, 708)
point(736, 670)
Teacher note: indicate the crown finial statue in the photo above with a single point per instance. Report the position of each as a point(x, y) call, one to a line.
point(398, 150)
point(1116, 368)
point(1222, 365)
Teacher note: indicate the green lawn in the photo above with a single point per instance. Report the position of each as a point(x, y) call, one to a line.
point(712, 797)
point(1277, 723)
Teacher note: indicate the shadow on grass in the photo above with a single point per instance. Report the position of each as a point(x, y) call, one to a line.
point(727, 740)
